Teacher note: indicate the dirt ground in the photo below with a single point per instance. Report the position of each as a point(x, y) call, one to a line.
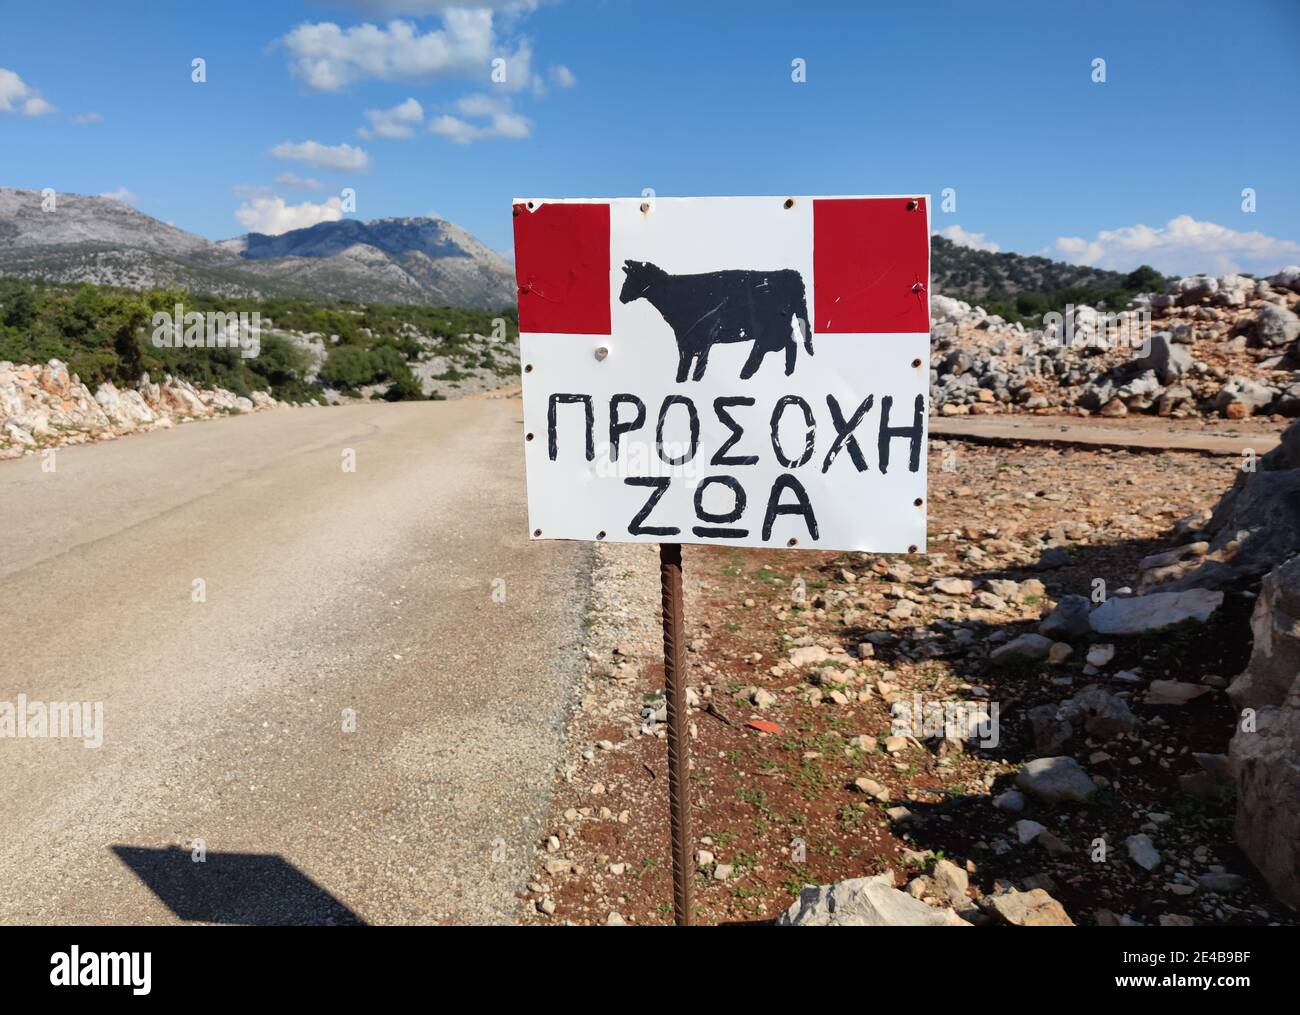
point(817, 799)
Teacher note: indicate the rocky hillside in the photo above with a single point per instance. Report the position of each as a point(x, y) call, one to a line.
point(44, 407)
point(421, 261)
point(1213, 346)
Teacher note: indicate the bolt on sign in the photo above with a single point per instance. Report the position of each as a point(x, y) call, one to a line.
point(746, 371)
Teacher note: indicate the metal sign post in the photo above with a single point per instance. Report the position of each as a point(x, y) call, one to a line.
point(679, 804)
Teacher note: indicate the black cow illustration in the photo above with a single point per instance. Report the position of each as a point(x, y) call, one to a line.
point(763, 307)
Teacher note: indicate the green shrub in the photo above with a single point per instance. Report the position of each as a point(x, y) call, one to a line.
point(348, 366)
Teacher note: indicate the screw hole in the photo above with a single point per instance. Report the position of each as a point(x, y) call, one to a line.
point(791, 541)
point(529, 437)
point(789, 202)
point(536, 533)
point(530, 205)
point(913, 205)
point(912, 548)
point(645, 206)
point(528, 369)
point(600, 534)
point(915, 363)
point(917, 502)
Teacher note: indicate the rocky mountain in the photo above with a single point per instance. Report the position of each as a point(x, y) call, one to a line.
point(408, 259)
point(423, 261)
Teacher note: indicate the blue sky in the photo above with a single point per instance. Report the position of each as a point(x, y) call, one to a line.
point(607, 97)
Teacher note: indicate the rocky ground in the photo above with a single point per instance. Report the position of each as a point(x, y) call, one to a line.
point(46, 407)
point(1208, 347)
point(1107, 798)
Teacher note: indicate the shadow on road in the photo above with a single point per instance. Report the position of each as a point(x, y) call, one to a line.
point(241, 888)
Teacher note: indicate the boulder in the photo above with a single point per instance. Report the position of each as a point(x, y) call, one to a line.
point(1191, 291)
point(1154, 611)
point(1100, 655)
point(1055, 780)
point(126, 408)
point(1140, 391)
point(1096, 395)
point(1220, 883)
point(1168, 359)
point(1287, 278)
point(950, 882)
point(1274, 664)
point(1175, 398)
point(864, 902)
point(1276, 327)
point(808, 655)
point(1241, 397)
point(1142, 851)
point(1034, 908)
point(1288, 403)
point(1069, 619)
point(1264, 759)
point(1256, 524)
point(1173, 692)
point(1234, 291)
point(1100, 712)
point(954, 586)
point(1026, 648)
point(1050, 730)
point(1266, 770)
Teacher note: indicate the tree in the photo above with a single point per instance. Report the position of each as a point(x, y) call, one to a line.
point(1144, 279)
point(20, 308)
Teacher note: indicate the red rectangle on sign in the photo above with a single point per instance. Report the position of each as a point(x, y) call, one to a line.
point(871, 265)
point(562, 268)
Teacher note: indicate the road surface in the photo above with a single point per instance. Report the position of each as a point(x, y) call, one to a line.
point(325, 594)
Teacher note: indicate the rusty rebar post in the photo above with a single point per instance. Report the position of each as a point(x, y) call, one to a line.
point(679, 805)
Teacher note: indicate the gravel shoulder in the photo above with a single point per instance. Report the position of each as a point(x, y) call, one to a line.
point(823, 646)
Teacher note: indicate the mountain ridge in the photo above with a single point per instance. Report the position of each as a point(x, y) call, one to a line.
point(418, 260)
point(423, 261)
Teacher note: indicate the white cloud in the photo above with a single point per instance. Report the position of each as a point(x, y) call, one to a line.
point(298, 182)
point(1184, 246)
point(419, 8)
point(271, 215)
point(327, 58)
point(400, 121)
point(498, 121)
point(121, 194)
point(976, 241)
point(82, 119)
point(481, 105)
point(16, 96)
point(561, 76)
point(340, 156)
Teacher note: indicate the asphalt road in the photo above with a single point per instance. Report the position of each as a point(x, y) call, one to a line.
point(327, 594)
